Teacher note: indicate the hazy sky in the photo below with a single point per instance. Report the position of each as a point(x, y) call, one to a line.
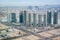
point(28, 2)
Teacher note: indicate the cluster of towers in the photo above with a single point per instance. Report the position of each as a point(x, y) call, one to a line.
point(51, 17)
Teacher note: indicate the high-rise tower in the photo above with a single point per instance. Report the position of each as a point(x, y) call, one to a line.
point(39, 20)
point(13, 17)
point(45, 21)
point(29, 20)
point(55, 17)
point(34, 20)
point(49, 15)
point(25, 17)
point(21, 17)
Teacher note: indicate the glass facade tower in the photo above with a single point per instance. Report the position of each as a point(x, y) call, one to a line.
point(21, 18)
point(55, 17)
point(13, 17)
point(34, 20)
point(39, 20)
point(49, 15)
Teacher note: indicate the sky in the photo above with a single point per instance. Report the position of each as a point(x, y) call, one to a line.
point(28, 2)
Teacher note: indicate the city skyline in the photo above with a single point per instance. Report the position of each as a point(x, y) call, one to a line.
point(28, 2)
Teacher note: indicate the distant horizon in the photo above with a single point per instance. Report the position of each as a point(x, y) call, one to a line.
point(28, 2)
point(30, 5)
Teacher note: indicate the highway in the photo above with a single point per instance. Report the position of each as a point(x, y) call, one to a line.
point(33, 33)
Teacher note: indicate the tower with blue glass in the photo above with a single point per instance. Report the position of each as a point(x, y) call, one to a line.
point(21, 17)
point(13, 17)
point(55, 17)
point(49, 15)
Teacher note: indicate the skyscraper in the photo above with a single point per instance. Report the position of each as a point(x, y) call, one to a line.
point(55, 17)
point(39, 20)
point(34, 20)
point(21, 17)
point(29, 20)
point(45, 20)
point(13, 17)
point(25, 14)
point(49, 15)
point(8, 17)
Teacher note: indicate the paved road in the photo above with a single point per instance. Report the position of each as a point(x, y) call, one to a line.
point(33, 33)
